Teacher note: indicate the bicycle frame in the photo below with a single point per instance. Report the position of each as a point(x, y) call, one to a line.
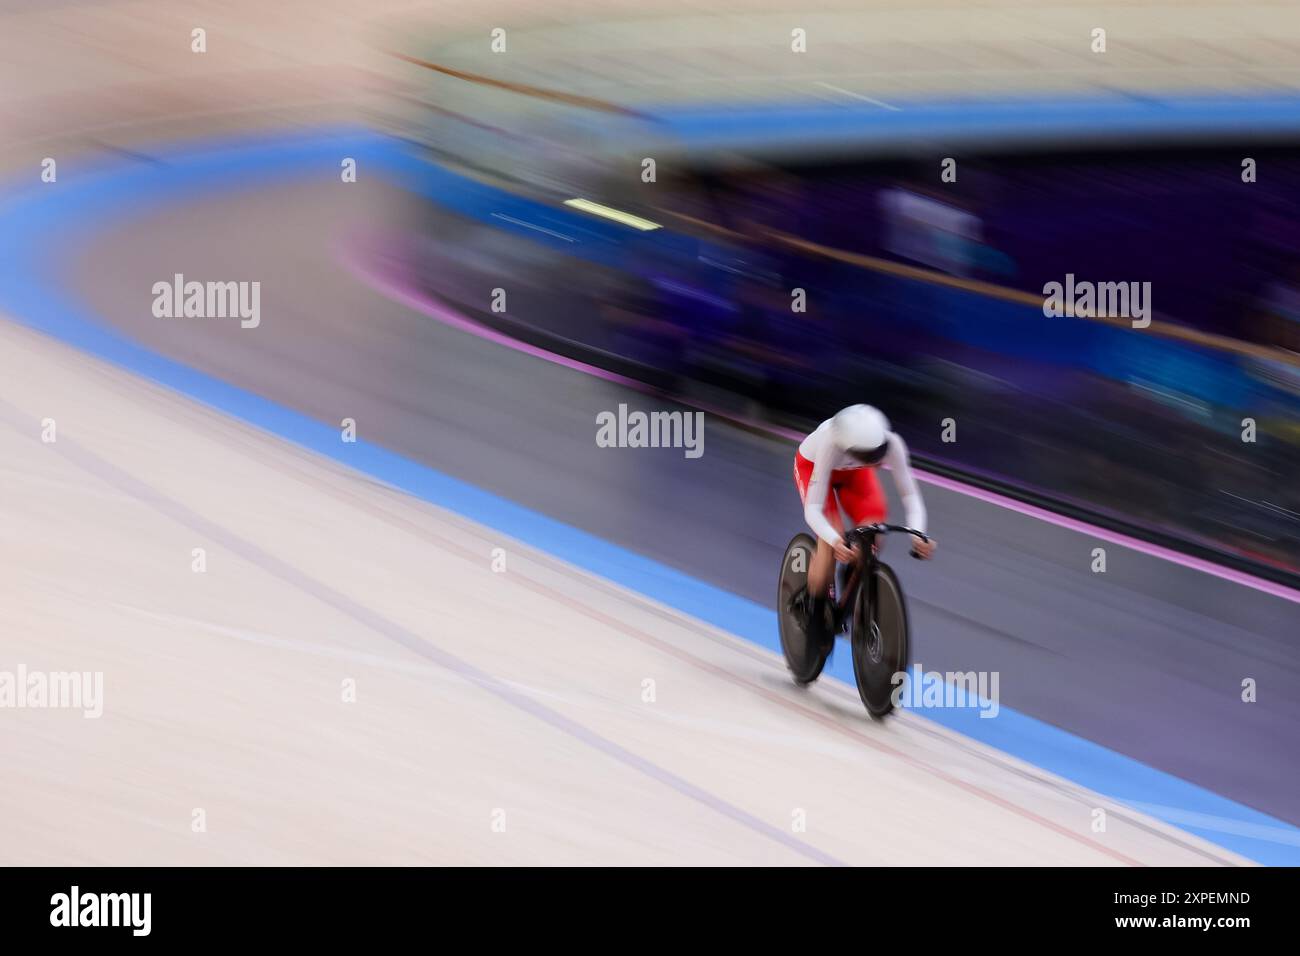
point(867, 562)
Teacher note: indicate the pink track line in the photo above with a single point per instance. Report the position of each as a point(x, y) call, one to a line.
point(358, 265)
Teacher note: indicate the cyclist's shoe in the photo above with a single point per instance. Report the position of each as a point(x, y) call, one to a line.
point(799, 606)
point(817, 616)
point(826, 620)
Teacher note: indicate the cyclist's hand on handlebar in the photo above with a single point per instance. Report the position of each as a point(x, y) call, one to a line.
point(922, 548)
point(843, 553)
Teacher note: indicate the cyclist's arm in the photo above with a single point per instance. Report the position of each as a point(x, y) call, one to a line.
point(819, 486)
point(908, 490)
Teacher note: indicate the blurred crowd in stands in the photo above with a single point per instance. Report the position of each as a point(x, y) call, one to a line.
point(925, 298)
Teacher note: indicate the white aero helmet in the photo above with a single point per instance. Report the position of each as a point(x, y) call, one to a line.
point(863, 432)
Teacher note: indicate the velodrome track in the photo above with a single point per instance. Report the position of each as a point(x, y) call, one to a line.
point(523, 690)
point(499, 717)
point(520, 693)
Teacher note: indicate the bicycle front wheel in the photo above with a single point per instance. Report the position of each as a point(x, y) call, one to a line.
point(881, 641)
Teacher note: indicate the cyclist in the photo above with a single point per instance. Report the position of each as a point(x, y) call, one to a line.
point(834, 470)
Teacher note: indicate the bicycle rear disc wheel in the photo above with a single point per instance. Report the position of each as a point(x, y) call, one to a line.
point(882, 645)
point(805, 653)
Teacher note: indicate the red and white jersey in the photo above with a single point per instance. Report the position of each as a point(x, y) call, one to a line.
point(819, 448)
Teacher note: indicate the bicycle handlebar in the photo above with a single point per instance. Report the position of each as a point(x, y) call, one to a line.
point(869, 531)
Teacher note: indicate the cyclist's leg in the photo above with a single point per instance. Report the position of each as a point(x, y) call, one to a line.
point(819, 572)
point(822, 570)
point(855, 493)
point(822, 567)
